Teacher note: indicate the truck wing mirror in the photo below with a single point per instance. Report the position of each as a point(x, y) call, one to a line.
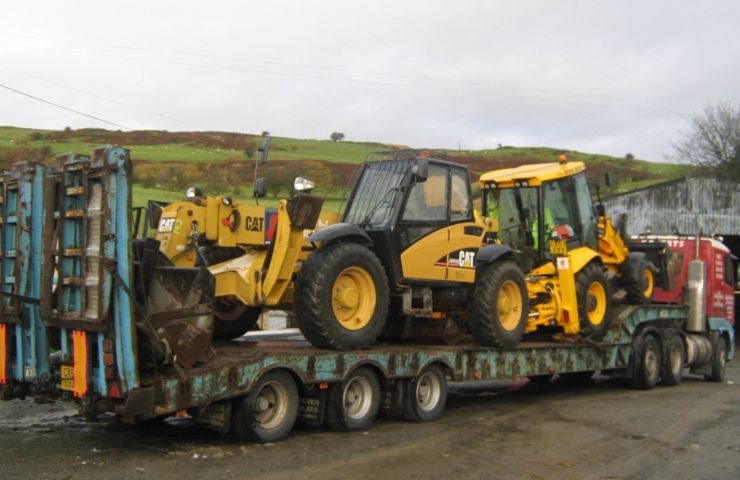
point(420, 170)
point(260, 188)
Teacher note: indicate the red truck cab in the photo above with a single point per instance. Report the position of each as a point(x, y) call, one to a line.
point(720, 275)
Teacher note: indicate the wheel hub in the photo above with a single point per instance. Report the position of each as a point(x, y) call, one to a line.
point(347, 296)
point(591, 303)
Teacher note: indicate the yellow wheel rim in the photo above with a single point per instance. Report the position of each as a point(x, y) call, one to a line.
point(649, 282)
point(353, 298)
point(596, 303)
point(509, 305)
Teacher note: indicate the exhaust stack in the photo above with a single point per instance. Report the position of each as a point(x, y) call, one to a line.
point(695, 295)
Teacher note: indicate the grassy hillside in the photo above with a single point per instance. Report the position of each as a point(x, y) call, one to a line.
point(165, 163)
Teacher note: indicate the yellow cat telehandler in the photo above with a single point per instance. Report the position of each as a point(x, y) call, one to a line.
point(412, 258)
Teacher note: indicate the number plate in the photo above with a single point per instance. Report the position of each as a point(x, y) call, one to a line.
point(68, 378)
point(558, 247)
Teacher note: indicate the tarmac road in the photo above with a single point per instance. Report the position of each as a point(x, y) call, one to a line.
point(603, 430)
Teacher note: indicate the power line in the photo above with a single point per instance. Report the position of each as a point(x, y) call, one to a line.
point(359, 72)
point(73, 89)
point(367, 82)
point(63, 107)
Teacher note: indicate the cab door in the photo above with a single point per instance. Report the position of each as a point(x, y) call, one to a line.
point(423, 227)
point(438, 235)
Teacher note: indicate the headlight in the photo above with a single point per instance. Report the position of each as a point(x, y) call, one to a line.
point(193, 192)
point(301, 184)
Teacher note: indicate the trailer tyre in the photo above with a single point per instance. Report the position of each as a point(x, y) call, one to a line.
point(640, 290)
point(674, 359)
point(645, 363)
point(354, 403)
point(341, 297)
point(497, 315)
point(594, 309)
point(719, 362)
point(269, 412)
point(426, 395)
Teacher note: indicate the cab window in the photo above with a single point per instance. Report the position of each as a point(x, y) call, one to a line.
point(427, 201)
point(460, 207)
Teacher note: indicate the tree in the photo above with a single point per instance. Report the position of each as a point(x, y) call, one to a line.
point(713, 139)
point(337, 136)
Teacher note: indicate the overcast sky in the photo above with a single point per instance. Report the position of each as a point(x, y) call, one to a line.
point(597, 76)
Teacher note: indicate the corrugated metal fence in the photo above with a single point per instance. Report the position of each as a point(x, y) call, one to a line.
point(680, 206)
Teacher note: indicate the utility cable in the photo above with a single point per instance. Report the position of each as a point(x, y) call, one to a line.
point(73, 89)
point(63, 107)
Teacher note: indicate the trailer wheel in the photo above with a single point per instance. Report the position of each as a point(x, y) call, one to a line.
point(497, 315)
point(233, 319)
point(354, 403)
point(640, 292)
point(673, 361)
point(341, 297)
point(719, 362)
point(426, 395)
point(645, 363)
point(592, 293)
point(269, 412)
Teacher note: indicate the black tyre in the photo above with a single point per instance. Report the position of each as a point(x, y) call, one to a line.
point(645, 363)
point(719, 362)
point(341, 297)
point(497, 313)
point(594, 307)
point(233, 319)
point(426, 395)
point(674, 358)
point(269, 412)
point(354, 403)
point(640, 290)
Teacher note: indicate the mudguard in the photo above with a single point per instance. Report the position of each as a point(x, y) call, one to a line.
point(491, 253)
point(340, 231)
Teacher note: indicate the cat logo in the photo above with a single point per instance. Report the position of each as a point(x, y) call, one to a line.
point(166, 225)
point(466, 259)
point(254, 224)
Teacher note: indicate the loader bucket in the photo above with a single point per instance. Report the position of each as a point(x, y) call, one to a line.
point(178, 308)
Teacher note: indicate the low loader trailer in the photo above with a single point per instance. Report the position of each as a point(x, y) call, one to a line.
point(76, 325)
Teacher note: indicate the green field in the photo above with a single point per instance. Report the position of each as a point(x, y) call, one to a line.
point(167, 161)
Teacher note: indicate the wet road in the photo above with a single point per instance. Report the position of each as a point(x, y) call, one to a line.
point(603, 430)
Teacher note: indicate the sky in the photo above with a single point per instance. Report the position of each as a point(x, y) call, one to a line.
point(611, 77)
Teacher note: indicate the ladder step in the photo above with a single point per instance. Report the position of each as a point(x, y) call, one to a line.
point(74, 214)
point(74, 190)
point(73, 252)
point(73, 281)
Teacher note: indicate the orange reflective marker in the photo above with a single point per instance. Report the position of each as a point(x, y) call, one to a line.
point(79, 345)
point(3, 353)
